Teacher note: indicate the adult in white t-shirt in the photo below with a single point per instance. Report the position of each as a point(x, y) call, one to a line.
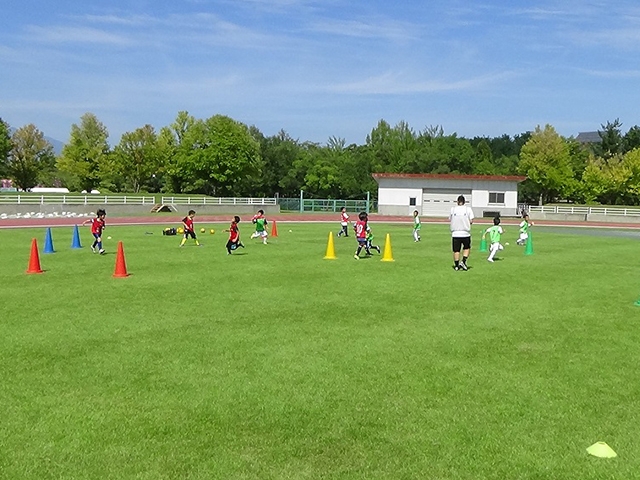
point(460, 222)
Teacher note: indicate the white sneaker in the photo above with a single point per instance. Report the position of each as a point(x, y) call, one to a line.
point(490, 260)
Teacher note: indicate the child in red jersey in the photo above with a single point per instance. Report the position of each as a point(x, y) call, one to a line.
point(97, 226)
point(189, 229)
point(344, 223)
point(362, 230)
point(234, 235)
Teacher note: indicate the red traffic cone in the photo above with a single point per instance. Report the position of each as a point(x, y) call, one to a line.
point(274, 229)
point(121, 265)
point(34, 259)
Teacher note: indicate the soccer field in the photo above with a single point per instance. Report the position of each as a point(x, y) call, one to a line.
point(274, 363)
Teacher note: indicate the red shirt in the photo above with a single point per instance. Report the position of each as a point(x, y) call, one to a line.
point(188, 224)
point(97, 224)
point(233, 232)
point(344, 218)
point(361, 229)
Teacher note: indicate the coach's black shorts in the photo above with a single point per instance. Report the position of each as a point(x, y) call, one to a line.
point(460, 243)
point(189, 233)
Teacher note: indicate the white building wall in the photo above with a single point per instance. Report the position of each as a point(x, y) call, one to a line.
point(394, 194)
point(395, 201)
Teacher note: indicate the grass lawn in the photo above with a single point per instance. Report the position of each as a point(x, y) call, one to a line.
point(273, 363)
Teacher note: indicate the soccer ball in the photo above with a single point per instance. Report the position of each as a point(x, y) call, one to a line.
point(180, 230)
point(202, 230)
point(507, 244)
point(212, 231)
point(108, 238)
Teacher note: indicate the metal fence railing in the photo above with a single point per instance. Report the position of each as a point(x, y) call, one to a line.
point(325, 205)
point(583, 210)
point(217, 201)
point(75, 200)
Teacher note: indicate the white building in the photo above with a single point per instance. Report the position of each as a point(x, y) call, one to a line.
point(433, 195)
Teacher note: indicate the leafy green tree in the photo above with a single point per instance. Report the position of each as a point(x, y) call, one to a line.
point(31, 157)
point(279, 154)
point(483, 164)
point(218, 152)
point(611, 136)
point(5, 147)
point(545, 160)
point(174, 153)
point(631, 139)
point(85, 158)
point(137, 157)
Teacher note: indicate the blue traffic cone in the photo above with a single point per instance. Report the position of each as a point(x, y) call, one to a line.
point(75, 243)
point(48, 242)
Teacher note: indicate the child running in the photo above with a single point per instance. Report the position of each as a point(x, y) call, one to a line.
point(361, 229)
point(189, 229)
point(344, 223)
point(97, 226)
point(234, 235)
point(495, 233)
point(525, 225)
point(416, 226)
point(370, 241)
point(261, 226)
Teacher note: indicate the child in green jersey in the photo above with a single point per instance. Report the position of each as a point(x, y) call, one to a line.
point(261, 223)
point(416, 226)
point(495, 233)
point(525, 225)
point(370, 245)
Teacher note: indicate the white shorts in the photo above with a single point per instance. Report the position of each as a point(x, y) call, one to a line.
point(523, 236)
point(263, 233)
point(496, 246)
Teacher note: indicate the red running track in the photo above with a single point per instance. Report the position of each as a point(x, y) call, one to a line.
point(169, 221)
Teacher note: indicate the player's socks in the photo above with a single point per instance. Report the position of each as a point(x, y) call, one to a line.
point(464, 260)
point(456, 263)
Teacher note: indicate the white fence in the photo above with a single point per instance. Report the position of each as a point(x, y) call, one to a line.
point(217, 201)
point(75, 200)
point(627, 212)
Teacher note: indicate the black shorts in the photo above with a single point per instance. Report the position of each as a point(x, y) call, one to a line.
point(460, 243)
point(189, 233)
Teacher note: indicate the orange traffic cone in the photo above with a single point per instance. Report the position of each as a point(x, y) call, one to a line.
point(34, 259)
point(274, 230)
point(121, 265)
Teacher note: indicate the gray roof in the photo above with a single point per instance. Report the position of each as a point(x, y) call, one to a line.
point(588, 137)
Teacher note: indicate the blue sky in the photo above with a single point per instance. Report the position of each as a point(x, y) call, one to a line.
point(322, 68)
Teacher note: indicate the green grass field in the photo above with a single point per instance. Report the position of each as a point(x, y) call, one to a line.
point(273, 363)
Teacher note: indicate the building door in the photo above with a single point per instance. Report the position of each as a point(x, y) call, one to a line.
point(438, 202)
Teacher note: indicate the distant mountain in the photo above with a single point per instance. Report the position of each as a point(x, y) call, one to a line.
point(57, 144)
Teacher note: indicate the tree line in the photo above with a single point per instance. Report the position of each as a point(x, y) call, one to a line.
point(220, 156)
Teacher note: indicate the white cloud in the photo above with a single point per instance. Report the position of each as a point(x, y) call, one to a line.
point(70, 34)
point(398, 84)
point(389, 29)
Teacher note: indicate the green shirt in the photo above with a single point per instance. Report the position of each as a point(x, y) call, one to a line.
point(524, 226)
point(494, 233)
point(260, 224)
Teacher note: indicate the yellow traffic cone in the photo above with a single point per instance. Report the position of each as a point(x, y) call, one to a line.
point(331, 251)
point(387, 256)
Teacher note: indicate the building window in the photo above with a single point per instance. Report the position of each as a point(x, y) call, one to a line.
point(495, 197)
point(412, 201)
